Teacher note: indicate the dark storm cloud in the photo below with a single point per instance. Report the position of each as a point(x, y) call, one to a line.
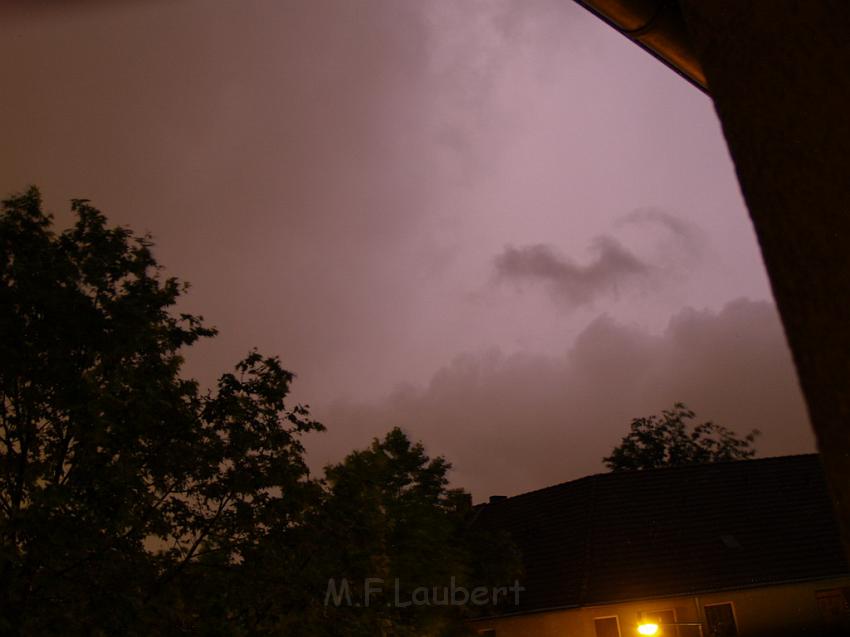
point(614, 267)
point(576, 284)
point(519, 422)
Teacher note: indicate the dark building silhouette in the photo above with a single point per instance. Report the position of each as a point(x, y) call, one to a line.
point(734, 548)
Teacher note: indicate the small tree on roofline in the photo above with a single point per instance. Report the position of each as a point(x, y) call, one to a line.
point(671, 440)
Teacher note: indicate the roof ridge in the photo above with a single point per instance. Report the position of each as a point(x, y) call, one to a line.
point(678, 468)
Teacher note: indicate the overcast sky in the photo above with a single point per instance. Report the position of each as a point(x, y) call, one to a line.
point(495, 223)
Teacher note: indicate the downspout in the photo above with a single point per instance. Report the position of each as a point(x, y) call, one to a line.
point(700, 617)
point(658, 27)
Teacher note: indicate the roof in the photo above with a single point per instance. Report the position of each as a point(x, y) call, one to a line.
point(677, 530)
point(658, 27)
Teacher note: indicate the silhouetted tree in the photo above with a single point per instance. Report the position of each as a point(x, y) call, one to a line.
point(390, 515)
point(133, 503)
point(670, 440)
point(117, 477)
point(386, 523)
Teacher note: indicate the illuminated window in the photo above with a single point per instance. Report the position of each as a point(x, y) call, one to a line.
point(721, 620)
point(661, 617)
point(607, 626)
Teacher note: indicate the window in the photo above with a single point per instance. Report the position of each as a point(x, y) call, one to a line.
point(661, 617)
point(834, 607)
point(607, 626)
point(721, 620)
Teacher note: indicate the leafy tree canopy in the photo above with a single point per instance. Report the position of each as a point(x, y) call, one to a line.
point(134, 503)
point(117, 476)
point(390, 515)
point(671, 440)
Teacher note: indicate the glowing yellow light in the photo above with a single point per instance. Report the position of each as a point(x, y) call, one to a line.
point(648, 629)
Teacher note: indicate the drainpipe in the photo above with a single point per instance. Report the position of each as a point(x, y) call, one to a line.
point(658, 27)
point(700, 618)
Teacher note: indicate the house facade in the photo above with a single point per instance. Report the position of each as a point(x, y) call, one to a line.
point(747, 548)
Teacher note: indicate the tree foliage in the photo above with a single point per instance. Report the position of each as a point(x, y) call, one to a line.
point(134, 503)
point(391, 516)
point(671, 440)
point(117, 476)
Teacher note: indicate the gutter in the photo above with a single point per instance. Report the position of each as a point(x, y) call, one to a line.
point(658, 27)
point(631, 600)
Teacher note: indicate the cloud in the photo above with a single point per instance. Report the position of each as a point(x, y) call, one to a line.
point(681, 246)
point(679, 227)
point(299, 180)
point(512, 423)
point(574, 283)
point(614, 268)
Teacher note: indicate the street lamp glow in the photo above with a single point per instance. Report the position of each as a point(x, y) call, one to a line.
point(648, 629)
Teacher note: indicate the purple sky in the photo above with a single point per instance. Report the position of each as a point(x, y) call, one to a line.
point(497, 224)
